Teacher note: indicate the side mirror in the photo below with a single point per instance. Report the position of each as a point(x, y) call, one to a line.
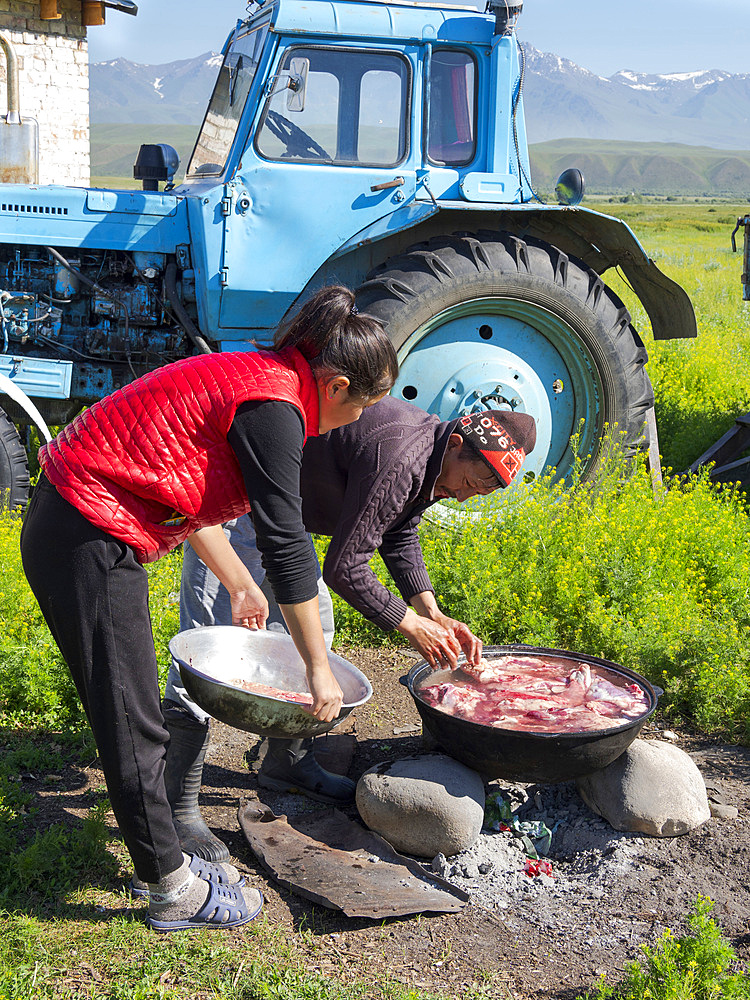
point(298, 70)
point(570, 187)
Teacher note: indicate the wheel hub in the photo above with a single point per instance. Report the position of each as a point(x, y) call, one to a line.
point(506, 355)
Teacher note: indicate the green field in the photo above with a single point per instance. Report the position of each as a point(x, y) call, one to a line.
point(115, 147)
point(612, 169)
point(701, 385)
point(655, 581)
point(655, 169)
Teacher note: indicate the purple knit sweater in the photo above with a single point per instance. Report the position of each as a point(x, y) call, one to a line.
point(367, 486)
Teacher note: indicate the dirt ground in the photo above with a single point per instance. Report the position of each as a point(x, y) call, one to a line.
point(546, 944)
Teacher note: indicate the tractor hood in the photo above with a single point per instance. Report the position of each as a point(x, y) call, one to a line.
point(97, 218)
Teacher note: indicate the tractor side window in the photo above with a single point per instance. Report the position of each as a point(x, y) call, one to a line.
point(227, 101)
point(349, 107)
point(451, 134)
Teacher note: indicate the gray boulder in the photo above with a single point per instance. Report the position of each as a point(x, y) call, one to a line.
point(423, 805)
point(653, 788)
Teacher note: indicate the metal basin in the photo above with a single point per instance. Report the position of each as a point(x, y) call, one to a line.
point(520, 756)
point(212, 656)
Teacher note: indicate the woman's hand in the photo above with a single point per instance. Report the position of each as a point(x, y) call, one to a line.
point(327, 695)
point(303, 622)
point(249, 607)
point(437, 644)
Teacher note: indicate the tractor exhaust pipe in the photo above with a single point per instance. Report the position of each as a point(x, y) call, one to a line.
point(506, 14)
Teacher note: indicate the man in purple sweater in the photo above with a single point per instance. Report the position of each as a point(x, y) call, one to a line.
point(365, 485)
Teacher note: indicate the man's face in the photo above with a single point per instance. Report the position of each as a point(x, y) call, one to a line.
point(462, 478)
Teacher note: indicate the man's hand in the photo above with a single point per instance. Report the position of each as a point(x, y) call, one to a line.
point(426, 606)
point(438, 645)
point(470, 643)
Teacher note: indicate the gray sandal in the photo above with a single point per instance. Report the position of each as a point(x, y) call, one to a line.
point(206, 870)
point(225, 907)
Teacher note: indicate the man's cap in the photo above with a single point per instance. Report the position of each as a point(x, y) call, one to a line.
point(501, 438)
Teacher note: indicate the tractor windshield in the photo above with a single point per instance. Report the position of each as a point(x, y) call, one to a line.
point(227, 101)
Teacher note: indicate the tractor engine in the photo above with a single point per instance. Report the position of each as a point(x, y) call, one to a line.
point(106, 308)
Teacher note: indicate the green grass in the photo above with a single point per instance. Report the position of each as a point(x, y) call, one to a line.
point(35, 686)
point(662, 169)
point(114, 149)
point(701, 385)
point(115, 957)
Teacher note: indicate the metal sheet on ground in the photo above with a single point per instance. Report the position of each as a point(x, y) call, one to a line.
point(333, 861)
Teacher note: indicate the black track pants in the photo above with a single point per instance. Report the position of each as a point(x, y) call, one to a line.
point(94, 597)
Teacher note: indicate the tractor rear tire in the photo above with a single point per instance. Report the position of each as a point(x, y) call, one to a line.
point(490, 321)
point(14, 469)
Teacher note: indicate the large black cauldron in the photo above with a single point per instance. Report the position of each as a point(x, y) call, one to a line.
point(519, 756)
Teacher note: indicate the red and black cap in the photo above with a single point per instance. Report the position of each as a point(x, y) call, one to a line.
point(501, 438)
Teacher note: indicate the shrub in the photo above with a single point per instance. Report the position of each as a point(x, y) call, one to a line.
point(693, 967)
point(35, 685)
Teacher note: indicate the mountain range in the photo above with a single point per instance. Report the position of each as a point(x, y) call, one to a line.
point(632, 131)
point(704, 108)
point(562, 100)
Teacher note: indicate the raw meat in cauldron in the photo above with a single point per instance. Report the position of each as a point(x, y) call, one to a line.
point(536, 694)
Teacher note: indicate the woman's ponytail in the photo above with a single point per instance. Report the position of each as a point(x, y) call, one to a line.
point(336, 339)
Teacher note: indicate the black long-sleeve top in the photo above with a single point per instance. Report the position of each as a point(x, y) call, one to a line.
point(366, 485)
point(267, 438)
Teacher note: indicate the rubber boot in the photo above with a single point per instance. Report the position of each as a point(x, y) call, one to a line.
point(183, 775)
point(289, 766)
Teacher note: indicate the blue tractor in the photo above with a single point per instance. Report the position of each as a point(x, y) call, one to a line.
point(381, 145)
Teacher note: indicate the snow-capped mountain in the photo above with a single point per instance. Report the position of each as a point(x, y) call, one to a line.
point(562, 100)
point(700, 108)
point(173, 93)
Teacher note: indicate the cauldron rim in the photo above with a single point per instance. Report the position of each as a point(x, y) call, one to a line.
point(653, 692)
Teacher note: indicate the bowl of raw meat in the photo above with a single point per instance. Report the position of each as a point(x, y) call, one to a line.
point(528, 713)
point(256, 680)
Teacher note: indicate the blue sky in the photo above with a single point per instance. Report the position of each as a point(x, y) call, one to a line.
point(604, 36)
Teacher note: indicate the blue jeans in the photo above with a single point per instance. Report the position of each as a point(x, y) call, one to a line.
point(205, 601)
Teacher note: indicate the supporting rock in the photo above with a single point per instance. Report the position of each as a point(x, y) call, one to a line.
point(653, 788)
point(424, 805)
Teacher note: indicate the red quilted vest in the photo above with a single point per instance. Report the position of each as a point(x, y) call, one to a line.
point(150, 463)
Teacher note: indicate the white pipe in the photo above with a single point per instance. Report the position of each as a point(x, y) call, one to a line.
point(19, 396)
point(14, 115)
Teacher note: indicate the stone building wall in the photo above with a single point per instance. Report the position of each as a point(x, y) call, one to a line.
point(53, 83)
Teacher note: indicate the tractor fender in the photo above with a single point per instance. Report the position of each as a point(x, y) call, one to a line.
point(18, 396)
point(600, 241)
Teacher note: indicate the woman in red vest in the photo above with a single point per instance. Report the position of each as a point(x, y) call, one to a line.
point(170, 457)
